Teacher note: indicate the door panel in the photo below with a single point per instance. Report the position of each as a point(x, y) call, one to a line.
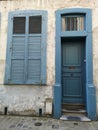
point(72, 72)
point(71, 88)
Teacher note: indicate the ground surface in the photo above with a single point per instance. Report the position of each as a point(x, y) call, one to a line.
point(40, 123)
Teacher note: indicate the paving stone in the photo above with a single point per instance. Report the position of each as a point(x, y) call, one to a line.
point(49, 123)
point(95, 124)
point(28, 123)
point(55, 126)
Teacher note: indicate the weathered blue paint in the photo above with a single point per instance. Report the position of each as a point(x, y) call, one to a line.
point(72, 78)
point(91, 101)
point(57, 87)
point(73, 34)
point(44, 48)
point(57, 101)
point(87, 33)
point(43, 35)
point(90, 89)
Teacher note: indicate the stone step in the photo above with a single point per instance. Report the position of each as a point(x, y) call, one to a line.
point(73, 106)
point(74, 114)
point(73, 110)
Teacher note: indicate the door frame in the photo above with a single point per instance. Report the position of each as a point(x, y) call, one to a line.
point(87, 34)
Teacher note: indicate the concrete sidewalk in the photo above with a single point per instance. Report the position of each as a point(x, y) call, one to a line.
point(41, 123)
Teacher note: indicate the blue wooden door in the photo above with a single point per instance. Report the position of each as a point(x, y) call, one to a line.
point(72, 71)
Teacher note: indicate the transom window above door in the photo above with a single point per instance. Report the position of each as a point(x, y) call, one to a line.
point(72, 22)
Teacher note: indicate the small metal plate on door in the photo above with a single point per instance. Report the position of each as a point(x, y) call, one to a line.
point(71, 67)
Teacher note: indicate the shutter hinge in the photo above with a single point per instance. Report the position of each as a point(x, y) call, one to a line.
point(9, 80)
point(12, 18)
point(10, 48)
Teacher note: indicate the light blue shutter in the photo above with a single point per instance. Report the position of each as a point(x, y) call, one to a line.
point(34, 59)
point(15, 68)
point(26, 52)
point(17, 59)
point(34, 49)
point(18, 50)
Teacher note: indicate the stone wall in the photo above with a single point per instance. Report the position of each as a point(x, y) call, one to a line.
point(28, 99)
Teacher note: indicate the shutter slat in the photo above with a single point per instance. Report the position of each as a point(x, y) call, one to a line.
point(34, 51)
point(34, 39)
point(18, 46)
point(34, 70)
point(17, 71)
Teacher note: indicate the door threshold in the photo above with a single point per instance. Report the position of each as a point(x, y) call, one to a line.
point(74, 118)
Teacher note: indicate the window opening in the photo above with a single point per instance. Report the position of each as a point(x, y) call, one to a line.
point(19, 25)
point(73, 23)
point(34, 24)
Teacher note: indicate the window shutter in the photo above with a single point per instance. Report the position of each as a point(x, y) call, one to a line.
point(34, 49)
point(17, 59)
point(18, 51)
point(26, 48)
point(34, 59)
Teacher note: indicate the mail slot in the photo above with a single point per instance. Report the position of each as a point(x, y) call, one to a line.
point(71, 67)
